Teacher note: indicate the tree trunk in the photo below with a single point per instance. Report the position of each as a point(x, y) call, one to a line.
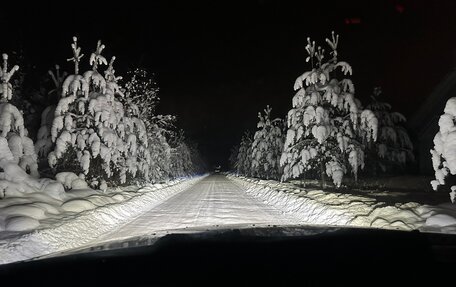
point(303, 179)
point(375, 169)
point(322, 173)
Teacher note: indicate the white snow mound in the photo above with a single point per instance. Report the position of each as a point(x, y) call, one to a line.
point(441, 220)
point(330, 208)
point(21, 223)
point(77, 205)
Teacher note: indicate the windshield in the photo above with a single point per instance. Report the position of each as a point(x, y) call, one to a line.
point(121, 123)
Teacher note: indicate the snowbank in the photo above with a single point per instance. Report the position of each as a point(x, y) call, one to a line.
point(330, 208)
point(443, 219)
point(80, 218)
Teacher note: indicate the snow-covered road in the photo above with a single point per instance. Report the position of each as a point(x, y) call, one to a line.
point(214, 200)
point(125, 217)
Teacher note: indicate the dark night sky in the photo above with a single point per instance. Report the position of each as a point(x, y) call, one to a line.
point(218, 64)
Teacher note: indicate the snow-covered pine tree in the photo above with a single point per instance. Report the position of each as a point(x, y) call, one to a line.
point(16, 147)
point(327, 130)
point(138, 158)
point(160, 152)
point(244, 156)
point(18, 166)
point(92, 134)
point(182, 157)
point(267, 146)
point(44, 145)
point(444, 151)
point(23, 96)
point(199, 165)
point(233, 157)
point(393, 149)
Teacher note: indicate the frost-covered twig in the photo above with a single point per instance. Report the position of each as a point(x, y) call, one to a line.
point(96, 58)
point(5, 77)
point(76, 55)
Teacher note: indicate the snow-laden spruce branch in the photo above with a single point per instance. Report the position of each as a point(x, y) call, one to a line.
point(444, 151)
point(393, 149)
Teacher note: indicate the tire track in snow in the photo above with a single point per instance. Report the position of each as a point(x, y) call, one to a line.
point(213, 201)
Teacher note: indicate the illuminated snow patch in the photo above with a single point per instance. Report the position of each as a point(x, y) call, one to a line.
point(329, 208)
point(80, 221)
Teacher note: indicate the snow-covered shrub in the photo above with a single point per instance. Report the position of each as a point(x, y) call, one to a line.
point(91, 129)
point(244, 155)
point(393, 149)
point(141, 99)
point(267, 147)
point(444, 151)
point(327, 129)
point(71, 181)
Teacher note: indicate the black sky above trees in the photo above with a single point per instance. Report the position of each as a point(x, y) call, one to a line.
point(218, 63)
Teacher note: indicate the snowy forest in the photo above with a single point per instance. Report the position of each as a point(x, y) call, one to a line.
point(87, 127)
point(145, 145)
point(330, 136)
point(205, 125)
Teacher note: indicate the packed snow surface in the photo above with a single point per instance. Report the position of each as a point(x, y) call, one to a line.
point(215, 200)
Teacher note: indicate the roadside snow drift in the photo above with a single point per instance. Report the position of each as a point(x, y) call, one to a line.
point(81, 217)
point(330, 208)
